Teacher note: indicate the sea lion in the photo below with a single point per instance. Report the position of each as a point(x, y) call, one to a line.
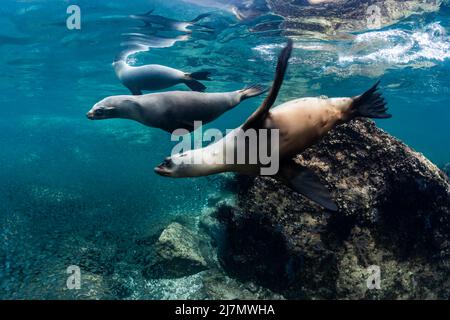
point(156, 77)
point(242, 10)
point(167, 24)
point(171, 110)
point(151, 41)
point(301, 123)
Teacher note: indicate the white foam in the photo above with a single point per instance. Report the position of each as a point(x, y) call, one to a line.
point(267, 51)
point(399, 46)
point(394, 47)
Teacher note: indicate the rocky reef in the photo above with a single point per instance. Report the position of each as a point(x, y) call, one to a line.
point(394, 208)
point(189, 254)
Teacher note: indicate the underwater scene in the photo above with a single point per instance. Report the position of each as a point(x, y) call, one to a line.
point(94, 206)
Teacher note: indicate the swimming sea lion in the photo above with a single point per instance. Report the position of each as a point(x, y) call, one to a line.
point(243, 10)
point(151, 41)
point(301, 123)
point(171, 110)
point(156, 77)
point(167, 24)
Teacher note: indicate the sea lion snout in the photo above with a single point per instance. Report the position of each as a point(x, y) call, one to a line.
point(164, 169)
point(90, 115)
point(100, 111)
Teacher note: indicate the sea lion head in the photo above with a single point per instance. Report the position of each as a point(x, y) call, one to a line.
point(167, 168)
point(180, 166)
point(170, 167)
point(111, 107)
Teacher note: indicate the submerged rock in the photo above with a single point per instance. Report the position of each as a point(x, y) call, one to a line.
point(177, 254)
point(394, 208)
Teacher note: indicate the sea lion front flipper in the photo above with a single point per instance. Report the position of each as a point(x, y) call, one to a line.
point(259, 115)
point(135, 92)
point(183, 124)
point(307, 183)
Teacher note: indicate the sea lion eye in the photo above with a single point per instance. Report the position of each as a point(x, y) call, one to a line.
point(99, 112)
point(168, 163)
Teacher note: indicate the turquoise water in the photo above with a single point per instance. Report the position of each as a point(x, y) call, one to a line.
point(71, 186)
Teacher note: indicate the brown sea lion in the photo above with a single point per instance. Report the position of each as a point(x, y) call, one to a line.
point(301, 123)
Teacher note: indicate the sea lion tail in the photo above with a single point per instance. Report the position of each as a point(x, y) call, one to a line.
point(370, 104)
point(148, 13)
point(252, 91)
point(200, 75)
point(142, 15)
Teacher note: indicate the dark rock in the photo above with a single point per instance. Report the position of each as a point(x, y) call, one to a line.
point(446, 169)
point(394, 208)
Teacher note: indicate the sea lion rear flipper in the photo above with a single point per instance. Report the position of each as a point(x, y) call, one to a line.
point(200, 17)
point(199, 75)
point(307, 183)
point(252, 91)
point(148, 13)
point(259, 115)
point(370, 104)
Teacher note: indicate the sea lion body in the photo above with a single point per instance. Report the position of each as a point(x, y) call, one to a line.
point(299, 124)
point(179, 109)
point(171, 110)
point(168, 24)
point(156, 77)
point(305, 121)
